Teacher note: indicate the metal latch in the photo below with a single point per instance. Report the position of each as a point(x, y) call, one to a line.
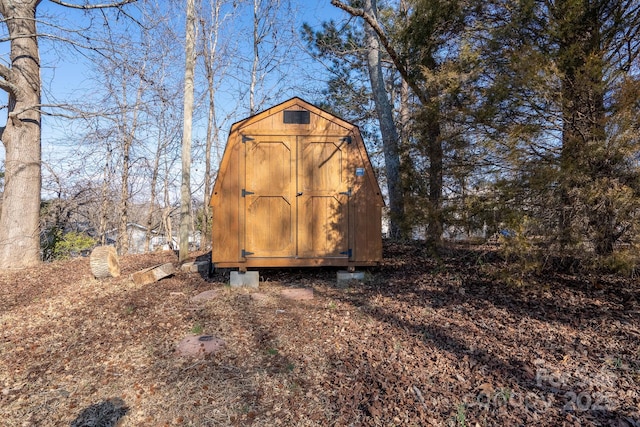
point(348, 252)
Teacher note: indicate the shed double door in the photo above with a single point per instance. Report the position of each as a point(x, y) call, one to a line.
point(295, 197)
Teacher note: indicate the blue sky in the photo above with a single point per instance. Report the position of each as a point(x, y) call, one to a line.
point(66, 74)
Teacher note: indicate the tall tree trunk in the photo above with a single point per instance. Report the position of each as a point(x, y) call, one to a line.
point(168, 209)
point(185, 187)
point(256, 58)
point(387, 126)
point(431, 122)
point(168, 226)
point(20, 216)
point(210, 51)
point(582, 160)
point(122, 240)
point(104, 196)
point(128, 135)
point(207, 169)
point(153, 189)
point(431, 111)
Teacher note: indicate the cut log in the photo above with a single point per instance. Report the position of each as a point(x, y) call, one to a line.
point(104, 262)
point(153, 274)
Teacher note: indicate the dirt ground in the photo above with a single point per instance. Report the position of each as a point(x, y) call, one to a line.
point(422, 341)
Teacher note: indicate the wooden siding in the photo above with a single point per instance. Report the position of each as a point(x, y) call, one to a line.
point(295, 194)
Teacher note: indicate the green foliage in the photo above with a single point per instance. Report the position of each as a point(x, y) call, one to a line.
point(461, 417)
point(560, 106)
point(348, 93)
point(72, 243)
point(522, 252)
point(58, 245)
point(624, 261)
point(197, 328)
point(526, 116)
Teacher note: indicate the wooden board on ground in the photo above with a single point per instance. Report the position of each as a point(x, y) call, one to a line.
point(153, 274)
point(104, 262)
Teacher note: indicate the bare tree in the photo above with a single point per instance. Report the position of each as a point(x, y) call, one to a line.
point(214, 67)
point(384, 110)
point(21, 136)
point(167, 136)
point(272, 38)
point(104, 196)
point(263, 20)
point(185, 187)
point(124, 83)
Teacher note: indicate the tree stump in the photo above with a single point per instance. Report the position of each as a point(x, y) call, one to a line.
point(153, 274)
point(104, 262)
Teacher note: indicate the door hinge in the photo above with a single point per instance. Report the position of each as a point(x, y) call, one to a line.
point(246, 253)
point(346, 193)
point(245, 193)
point(348, 253)
point(246, 138)
point(347, 139)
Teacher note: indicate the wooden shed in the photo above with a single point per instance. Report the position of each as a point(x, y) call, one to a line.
point(295, 188)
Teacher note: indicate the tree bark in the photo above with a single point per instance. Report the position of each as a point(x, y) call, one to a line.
point(153, 191)
point(256, 58)
point(210, 36)
point(387, 125)
point(104, 197)
point(104, 262)
point(19, 219)
point(583, 133)
point(185, 187)
point(435, 153)
point(153, 274)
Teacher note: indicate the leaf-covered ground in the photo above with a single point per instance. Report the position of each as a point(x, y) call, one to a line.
point(421, 341)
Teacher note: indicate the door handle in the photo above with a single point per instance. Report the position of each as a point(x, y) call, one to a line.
point(299, 193)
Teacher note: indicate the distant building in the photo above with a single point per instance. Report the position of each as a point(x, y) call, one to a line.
point(159, 241)
point(137, 239)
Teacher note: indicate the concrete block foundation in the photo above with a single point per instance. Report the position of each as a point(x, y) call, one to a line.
point(344, 277)
point(249, 279)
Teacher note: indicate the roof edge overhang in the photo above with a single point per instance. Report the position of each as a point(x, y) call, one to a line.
point(295, 101)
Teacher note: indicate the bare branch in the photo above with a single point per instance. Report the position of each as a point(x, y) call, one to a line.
point(93, 6)
point(75, 112)
point(395, 57)
point(5, 72)
point(5, 83)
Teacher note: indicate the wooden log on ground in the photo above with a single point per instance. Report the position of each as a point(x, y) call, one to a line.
point(153, 274)
point(104, 262)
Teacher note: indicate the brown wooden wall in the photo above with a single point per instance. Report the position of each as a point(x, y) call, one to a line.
point(301, 193)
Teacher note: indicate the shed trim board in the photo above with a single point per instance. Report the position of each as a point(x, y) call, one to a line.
point(295, 190)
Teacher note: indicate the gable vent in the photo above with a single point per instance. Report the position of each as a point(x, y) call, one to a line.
point(300, 117)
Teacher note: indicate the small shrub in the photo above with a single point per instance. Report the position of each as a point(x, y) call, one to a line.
point(63, 246)
point(522, 254)
point(461, 416)
point(624, 261)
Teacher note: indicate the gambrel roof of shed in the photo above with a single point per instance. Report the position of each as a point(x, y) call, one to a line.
point(288, 105)
point(293, 102)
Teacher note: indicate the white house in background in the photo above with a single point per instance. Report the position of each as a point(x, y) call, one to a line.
point(137, 239)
